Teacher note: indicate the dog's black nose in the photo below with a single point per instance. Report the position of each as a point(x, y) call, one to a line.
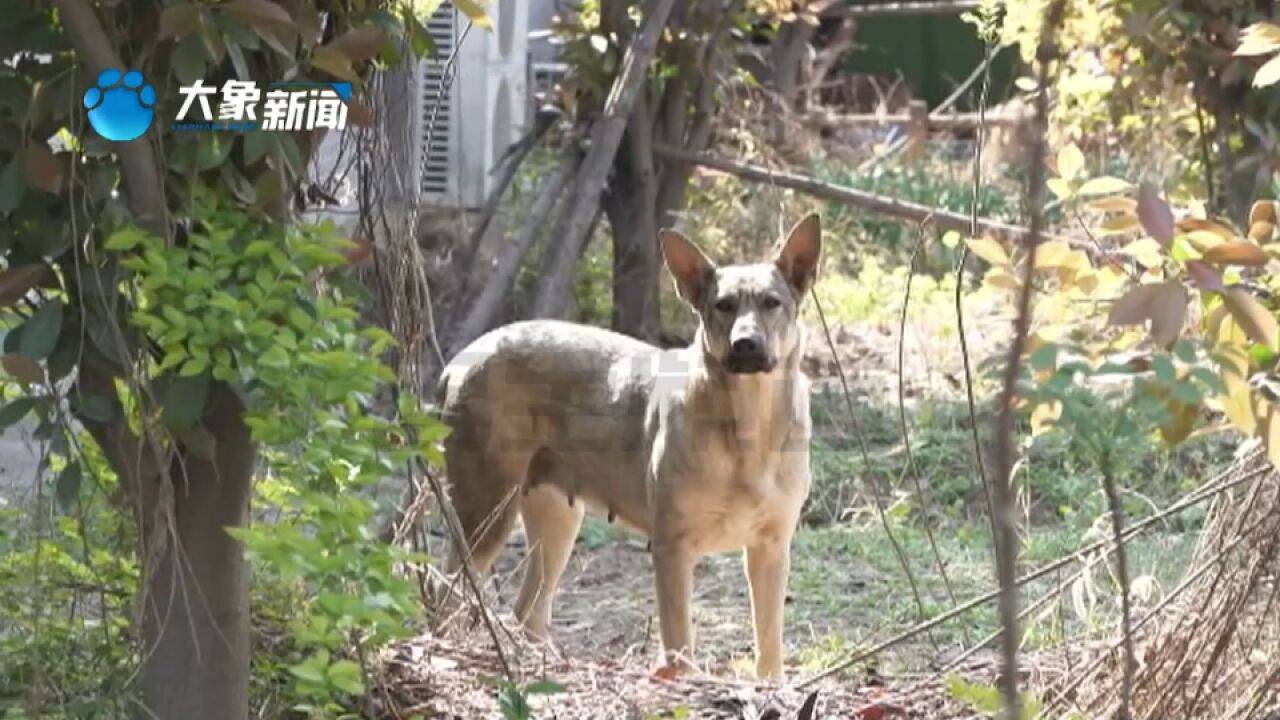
point(746, 347)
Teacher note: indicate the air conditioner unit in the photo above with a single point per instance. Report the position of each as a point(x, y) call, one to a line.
point(468, 127)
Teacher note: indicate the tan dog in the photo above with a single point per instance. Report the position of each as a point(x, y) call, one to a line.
point(704, 449)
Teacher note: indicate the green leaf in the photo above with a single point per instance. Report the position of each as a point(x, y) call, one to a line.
point(1045, 357)
point(345, 675)
point(198, 441)
point(15, 411)
point(184, 401)
point(12, 186)
point(124, 239)
point(188, 63)
point(93, 407)
point(276, 357)
point(258, 248)
point(543, 687)
point(67, 488)
point(213, 149)
point(40, 333)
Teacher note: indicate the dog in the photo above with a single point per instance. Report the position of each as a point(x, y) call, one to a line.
point(703, 449)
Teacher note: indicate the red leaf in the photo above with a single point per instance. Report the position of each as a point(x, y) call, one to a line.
point(16, 281)
point(1204, 275)
point(1155, 216)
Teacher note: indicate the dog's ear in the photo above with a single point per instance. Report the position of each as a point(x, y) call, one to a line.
point(799, 255)
point(691, 269)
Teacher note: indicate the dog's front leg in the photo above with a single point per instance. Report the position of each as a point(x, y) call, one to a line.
point(767, 565)
point(673, 567)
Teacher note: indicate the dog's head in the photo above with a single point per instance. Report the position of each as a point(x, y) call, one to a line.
point(748, 311)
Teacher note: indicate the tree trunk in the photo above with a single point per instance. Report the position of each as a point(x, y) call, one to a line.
point(195, 625)
point(790, 46)
point(195, 597)
point(483, 312)
point(631, 205)
point(572, 232)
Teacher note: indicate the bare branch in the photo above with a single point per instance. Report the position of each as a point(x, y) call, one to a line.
point(1003, 495)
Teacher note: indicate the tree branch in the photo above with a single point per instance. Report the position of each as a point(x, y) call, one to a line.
point(606, 135)
point(138, 163)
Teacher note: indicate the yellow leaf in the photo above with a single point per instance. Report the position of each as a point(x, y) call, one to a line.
point(1146, 251)
point(1268, 74)
point(997, 277)
point(1044, 416)
point(1105, 186)
point(988, 249)
point(1059, 187)
point(1236, 404)
point(476, 12)
point(1086, 280)
point(1114, 203)
point(1237, 253)
point(1257, 322)
point(1272, 438)
point(1051, 254)
point(1070, 162)
point(1204, 240)
point(1119, 224)
point(1262, 38)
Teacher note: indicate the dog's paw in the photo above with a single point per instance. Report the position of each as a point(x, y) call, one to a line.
point(120, 105)
point(667, 673)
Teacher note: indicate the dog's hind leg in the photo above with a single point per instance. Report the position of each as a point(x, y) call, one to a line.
point(551, 525)
point(486, 494)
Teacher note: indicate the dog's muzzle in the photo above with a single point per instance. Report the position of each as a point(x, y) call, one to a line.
point(748, 356)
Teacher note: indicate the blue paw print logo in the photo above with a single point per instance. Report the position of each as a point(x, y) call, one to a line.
point(120, 105)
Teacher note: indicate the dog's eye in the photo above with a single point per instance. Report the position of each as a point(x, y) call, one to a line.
point(726, 305)
point(770, 302)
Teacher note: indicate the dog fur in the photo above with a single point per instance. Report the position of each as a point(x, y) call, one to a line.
point(704, 449)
